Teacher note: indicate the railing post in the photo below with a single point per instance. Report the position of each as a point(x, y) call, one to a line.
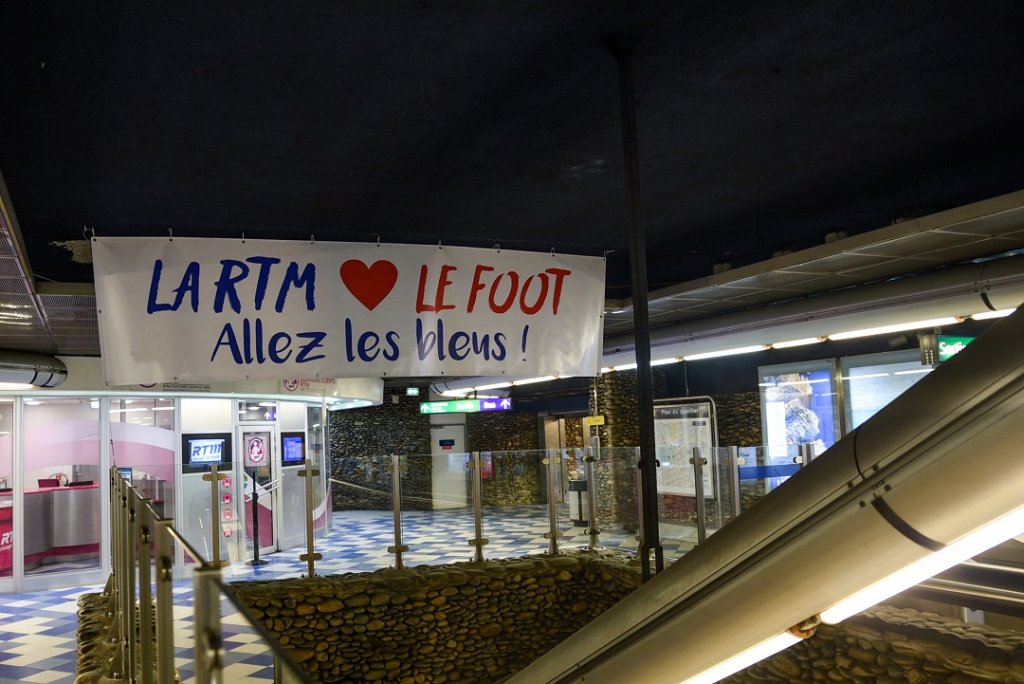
point(310, 556)
point(117, 627)
point(641, 527)
point(130, 535)
point(806, 452)
point(214, 478)
point(209, 644)
point(396, 507)
point(145, 538)
point(164, 602)
point(734, 479)
point(698, 487)
point(553, 534)
point(589, 457)
point(476, 476)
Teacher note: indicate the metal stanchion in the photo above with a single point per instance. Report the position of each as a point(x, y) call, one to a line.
point(164, 602)
point(119, 627)
point(734, 479)
point(476, 477)
point(214, 478)
point(553, 534)
point(641, 528)
point(806, 454)
point(699, 462)
point(396, 506)
point(209, 645)
point(130, 535)
point(310, 556)
point(145, 538)
point(255, 524)
point(589, 457)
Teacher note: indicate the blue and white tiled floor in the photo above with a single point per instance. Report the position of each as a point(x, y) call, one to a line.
point(37, 630)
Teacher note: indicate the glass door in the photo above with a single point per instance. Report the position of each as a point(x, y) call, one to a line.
point(261, 477)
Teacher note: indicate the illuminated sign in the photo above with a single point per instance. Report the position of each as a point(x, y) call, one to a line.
point(465, 405)
point(950, 346)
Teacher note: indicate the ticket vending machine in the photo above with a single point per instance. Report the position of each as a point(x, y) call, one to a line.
point(197, 519)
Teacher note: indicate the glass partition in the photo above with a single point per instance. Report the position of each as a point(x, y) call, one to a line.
point(361, 489)
point(6, 489)
point(142, 446)
point(437, 508)
point(61, 482)
point(615, 496)
point(316, 431)
point(514, 497)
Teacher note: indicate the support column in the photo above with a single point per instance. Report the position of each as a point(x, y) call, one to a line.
point(623, 50)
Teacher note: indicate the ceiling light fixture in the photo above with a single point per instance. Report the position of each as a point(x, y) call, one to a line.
point(531, 381)
point(497, 385)
point(16, 386)
point(796, 343)
point(896, 327)
point(984, 538)
point(986, 315)
point(725, 352)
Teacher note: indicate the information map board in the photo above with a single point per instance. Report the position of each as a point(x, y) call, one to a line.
point(678, 428)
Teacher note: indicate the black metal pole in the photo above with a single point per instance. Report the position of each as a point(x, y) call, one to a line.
point(623, 50)
point(255, 525)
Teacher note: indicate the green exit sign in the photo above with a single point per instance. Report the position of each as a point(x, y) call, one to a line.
point(950, 346)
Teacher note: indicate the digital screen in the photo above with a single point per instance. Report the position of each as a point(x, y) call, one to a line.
point(204, 451)
point(200, 451)
point(292, 448)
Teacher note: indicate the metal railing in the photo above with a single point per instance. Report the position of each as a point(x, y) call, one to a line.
point(143, 543)
point(140, 598)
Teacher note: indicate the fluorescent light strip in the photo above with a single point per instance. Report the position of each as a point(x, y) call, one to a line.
point(163, 408)
point(797, 343)
point(531, 381)
point(896, 327)
point(982, 539)
point(744, 659)
point(913, 372)
point(131, 410)
point(497, 385)
point(986, 315)
point(16, 386)
point(725, 352)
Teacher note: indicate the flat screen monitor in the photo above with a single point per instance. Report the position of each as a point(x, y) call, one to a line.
point(293, 448)
point(200, 451)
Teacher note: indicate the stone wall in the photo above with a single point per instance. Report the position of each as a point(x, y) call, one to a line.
point(514, 475)
point(895, 645)
point(361, 439)
point(739, 419)
point(617, 475)
point(469, 622)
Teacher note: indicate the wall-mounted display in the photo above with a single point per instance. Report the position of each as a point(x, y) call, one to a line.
point(200, 451)
point(799, 406)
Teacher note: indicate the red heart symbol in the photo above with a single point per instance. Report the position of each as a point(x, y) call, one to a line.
point(369, 284)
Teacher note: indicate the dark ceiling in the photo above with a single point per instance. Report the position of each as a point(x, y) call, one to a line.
point(763, 126)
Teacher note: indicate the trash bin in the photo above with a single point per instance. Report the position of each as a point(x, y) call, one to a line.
point(578, 502)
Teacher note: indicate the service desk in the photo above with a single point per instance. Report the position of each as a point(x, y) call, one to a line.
point(61, 524)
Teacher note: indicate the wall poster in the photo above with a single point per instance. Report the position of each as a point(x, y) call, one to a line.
point(678, 428)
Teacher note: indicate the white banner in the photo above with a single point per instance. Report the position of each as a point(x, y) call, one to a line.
point(198, 309)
